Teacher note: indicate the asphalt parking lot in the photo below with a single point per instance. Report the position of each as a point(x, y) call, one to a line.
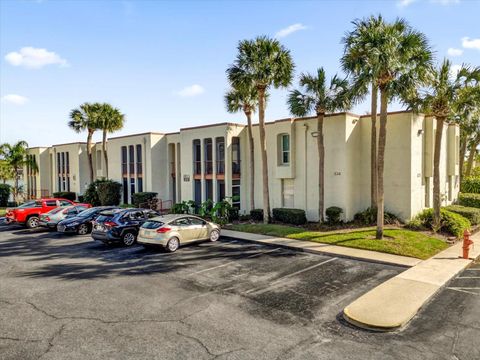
point(67, 297)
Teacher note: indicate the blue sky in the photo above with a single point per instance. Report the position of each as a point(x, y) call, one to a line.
point(163, 62)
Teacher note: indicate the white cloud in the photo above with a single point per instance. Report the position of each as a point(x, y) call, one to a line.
point(454, 52)
point(468, 43)
point(14, 99)
point(192, 90)
point(454, 69)
point(405, 3)
point(445, 2)
point(290, 30)
point(34, 58)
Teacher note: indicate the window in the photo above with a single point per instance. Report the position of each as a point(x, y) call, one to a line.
point(209, 189)
point(284, 149)
point(67, 161)
point(208, 146)
point(124, 160)
point(131, 159)
point(125, 189)
point(132, 189)
point(220, 190)
point(236, 156)
point(50, 203)
point(140, 184)
point(63, 203)
point(197, 157)
point(288, 192)
point(220, 145)
point(139, 159)
point(181, 222)
point(197, 193)
point(195, 221)
point(236, 193)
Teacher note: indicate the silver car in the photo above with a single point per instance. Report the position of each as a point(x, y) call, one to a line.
point(170, 231)
point(53, 217)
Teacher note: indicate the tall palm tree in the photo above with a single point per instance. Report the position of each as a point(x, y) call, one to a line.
point(110, 120)
point(16, 157)
point(438, 99)
point(403, 63)
point(86, 117)
point(360, 57)
point(316, 95)
point(6, 171)
point(263, 63)
point(245, 98)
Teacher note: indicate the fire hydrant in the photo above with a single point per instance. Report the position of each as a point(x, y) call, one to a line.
point(466, 243)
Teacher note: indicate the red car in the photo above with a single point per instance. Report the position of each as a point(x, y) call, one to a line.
point(29, 212)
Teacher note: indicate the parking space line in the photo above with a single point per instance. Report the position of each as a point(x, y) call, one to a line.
point(234, 262)
point(277, 281)
point(468, 277)
point(465, 290)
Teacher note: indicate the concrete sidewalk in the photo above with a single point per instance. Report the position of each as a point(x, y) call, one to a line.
point(314, 247)
point(394, 303)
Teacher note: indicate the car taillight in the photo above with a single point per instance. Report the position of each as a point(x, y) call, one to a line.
point(110, 223)
point(163, 230)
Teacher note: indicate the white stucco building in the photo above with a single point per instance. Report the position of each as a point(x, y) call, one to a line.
point(211, 162)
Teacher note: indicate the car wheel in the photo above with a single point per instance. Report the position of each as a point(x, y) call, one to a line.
point(32, 222)
point(172, 244)
point(83, 229)
point(214, 235)
point(128, 238)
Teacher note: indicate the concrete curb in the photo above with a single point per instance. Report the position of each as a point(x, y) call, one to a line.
point(391, 305)
point(324, 249)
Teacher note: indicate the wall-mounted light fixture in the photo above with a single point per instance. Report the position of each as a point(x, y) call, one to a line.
point(420, 132)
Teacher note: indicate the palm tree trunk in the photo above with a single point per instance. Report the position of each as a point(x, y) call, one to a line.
point(471, 157)
point(105, 155)
point(248, 113)
point(321, 165)
point(263, 150)
point(89, 152)
point(382, 138)
point(373, 149)
point(436, 173)
point(463, 151)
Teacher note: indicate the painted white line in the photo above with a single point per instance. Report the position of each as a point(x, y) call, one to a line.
point(465, 290)
point(234, 262)
point(277, 281)
point(468, 277)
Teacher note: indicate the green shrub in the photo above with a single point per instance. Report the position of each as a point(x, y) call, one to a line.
point(184, 207)
point(450, 222)
point(103, 192)
point(470, 184)
point(416, 224)
point(4, 194)
point(109, 193)
point(333, 214)
point(141, 198)
point(369, 217)
point(126, 206)
point(289, 216)
point(69, 195)
point(471, 213)
point(244, 217)
point(256, 214)
point(81, 199)
point(469, 200)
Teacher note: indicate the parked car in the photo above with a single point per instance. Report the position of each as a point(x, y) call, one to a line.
point(82, 223)
point(53, 217)
point(120, 225)
point(29, 213)
point(170, 231)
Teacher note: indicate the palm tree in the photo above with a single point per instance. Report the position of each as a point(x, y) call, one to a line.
point(360, 58)
point(111, 120)
point(403, 63)
point(316, 95)
point(245, 98)
point(263, 63)
point(15, 156)
point(86, 117)
point(6, 171)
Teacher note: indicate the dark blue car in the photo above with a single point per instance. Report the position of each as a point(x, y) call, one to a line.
point(82, 223)
point(121, 225)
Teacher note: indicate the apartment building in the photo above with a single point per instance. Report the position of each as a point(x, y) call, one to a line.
point(212, 162)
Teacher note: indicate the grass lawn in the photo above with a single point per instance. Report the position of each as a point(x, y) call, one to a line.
point(396, 241)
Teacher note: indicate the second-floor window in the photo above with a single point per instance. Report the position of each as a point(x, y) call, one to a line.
point(284, 149)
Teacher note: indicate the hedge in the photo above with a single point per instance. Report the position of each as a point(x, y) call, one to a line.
point(256, 214)
point(143, 197)
point(369, 217)
point(469, 200)
point(451, 222)
point(289, 216)
point(333, 214)
point(471, 213)
point(69, 195)
point(4, 194)
point(470, 185)
point(103, 192)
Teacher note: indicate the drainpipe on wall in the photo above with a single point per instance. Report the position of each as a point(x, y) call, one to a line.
point(305, 166)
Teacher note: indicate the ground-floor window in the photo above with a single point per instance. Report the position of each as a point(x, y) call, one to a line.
point(236, 193)
point(197, 191)
point(209, 189)
point(125, 189)
point(132, 189)
point(220, 190)
point(288, 193)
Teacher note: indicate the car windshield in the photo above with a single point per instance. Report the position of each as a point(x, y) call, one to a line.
point(152, 224)
point(57, 210)
point(87, 213)
point(27, 204)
